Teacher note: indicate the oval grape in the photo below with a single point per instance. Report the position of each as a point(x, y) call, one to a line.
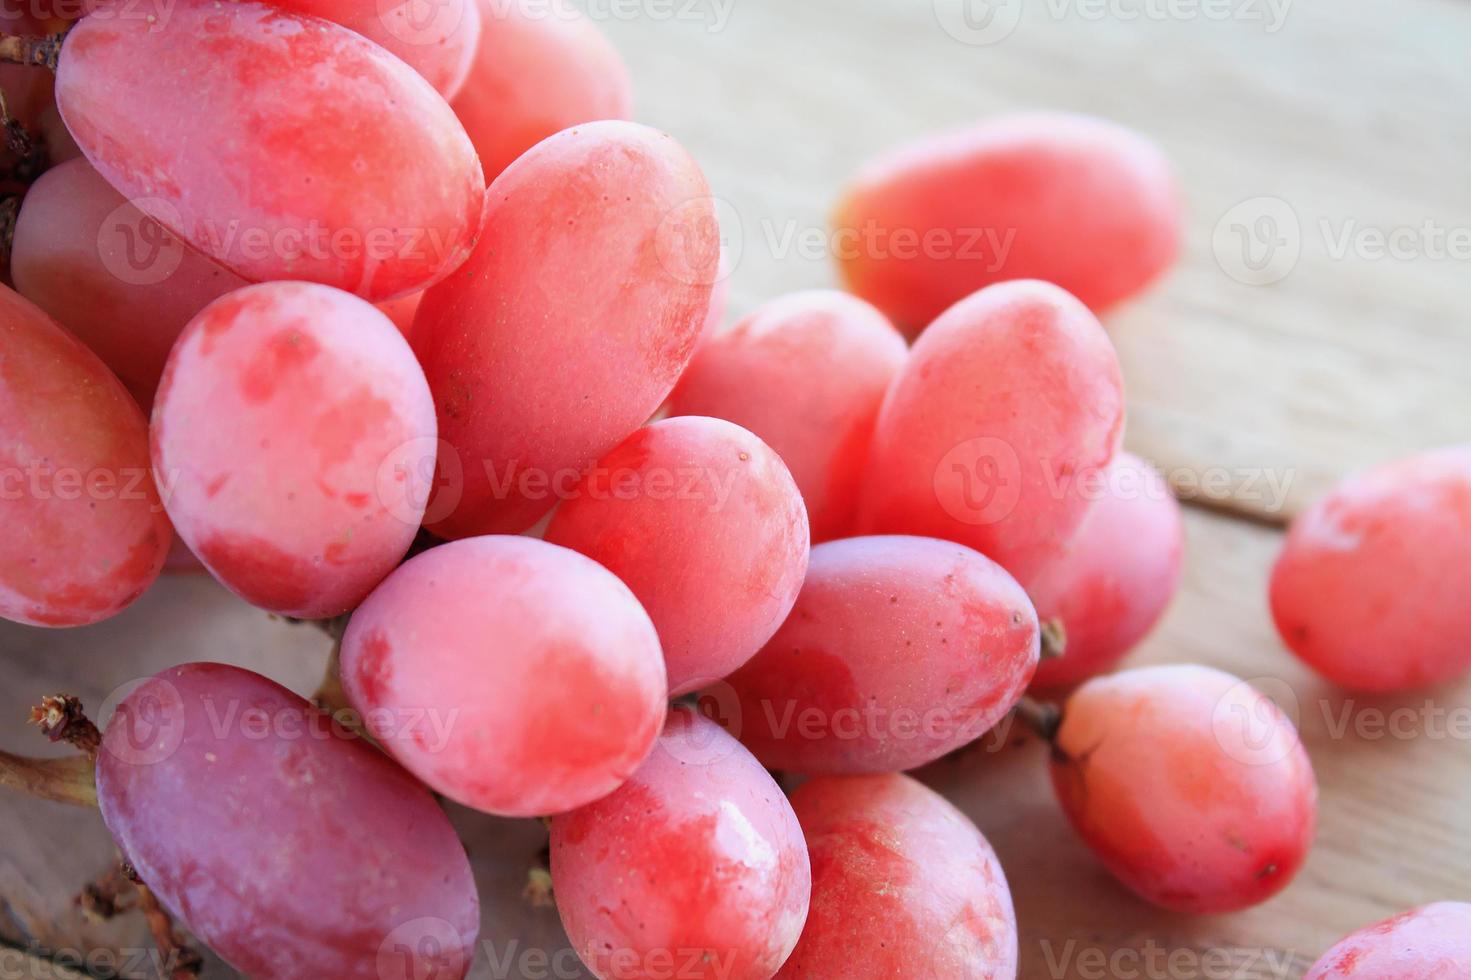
point(290, 848)
point(903, 885)
point(524, 678)
point(1007, 406)
point(1080, 202)
point(704, 523)
point(806, 373)
point(897, 651)
point(291, 431)
point(697, 862)
point(1190, 786)
point(85, 530)
point(1370, 588)
point(1429, 943)
point(287, 166)
point(571, 322)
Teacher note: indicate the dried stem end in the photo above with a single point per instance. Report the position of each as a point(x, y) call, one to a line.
point(61, 719)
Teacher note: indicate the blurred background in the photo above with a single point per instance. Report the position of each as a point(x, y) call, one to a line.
point(1319, 320)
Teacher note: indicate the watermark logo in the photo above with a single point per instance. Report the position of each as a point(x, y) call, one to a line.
point(979, 22)
point(134, 244)
point(692, 238)
point(1255, 722)
point(423, 949)
point(1259, 241)
point(144, 722)
point(422, 22)
point(978, 482)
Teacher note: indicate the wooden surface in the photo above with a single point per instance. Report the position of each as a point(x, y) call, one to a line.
point(1351, 111)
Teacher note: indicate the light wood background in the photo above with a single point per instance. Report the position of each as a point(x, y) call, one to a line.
point(1357, 114)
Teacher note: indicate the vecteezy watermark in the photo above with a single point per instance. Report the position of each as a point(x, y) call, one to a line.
point(713, 15)
point(40, 480)
point(37, 962)
point(155, 13)
point(1074, 960)
point(984, 22)
point(525, 962)
point(423, 22)
point(1261, 240)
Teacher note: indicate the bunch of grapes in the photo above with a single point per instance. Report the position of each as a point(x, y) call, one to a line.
point(429, 351)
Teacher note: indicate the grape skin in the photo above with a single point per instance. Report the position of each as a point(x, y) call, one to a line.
point(571, 322)
point(1189, 785)
point(704, 523)
point(1009, 403)
point(897, 651)
point(1429, 943)
point(534, 666)
point(290, 849)
point(57, 261)
point(806, 373)
point(1370, 588)
point(443, 57)
point(1077, 201)
point(1120, 571)
point(71, 554)
point(285, 166)
point(541, 66)
point(290, 430)
point(697, 861)
point(903, 885)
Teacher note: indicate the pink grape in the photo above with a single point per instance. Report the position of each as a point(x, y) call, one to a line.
point(441, 48)
point(541, 67)
point(290, 848)
point(1081, 202)
point(290, 429)
point(571, 322)
point(85, 533)
point(898, 650)
point(305, 151)
point(1371, 586)
point(697, 863)
point(903, 885)
point(1009, 404)
point(528, 678)
point(704, 523)
point(1191, 786)
point(1430, 943)
point(115, 277)
point(807, 373)
point(1119, 572)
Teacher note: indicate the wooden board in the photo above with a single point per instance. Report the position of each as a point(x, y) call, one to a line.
point(1350, 112)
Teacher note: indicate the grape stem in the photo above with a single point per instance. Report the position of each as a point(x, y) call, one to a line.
point(179, 960)
point(1042, 717)
point(61, 719)
point(72, 780)
point(40, 52)
point(1054, 639)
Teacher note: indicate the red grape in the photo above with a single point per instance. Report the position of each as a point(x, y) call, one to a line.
point(541, 67)
point(85, 533)
point(1430, 943)
point(1081, 202)
point(440, 47)
point(1371, 586)
point(1190, 785)
point(898, 650)
point(526, 677)
point(1008, 405)
point(704, 523)
point(115, 277)
point(1117, 576)
point(696, 862)
point(807, 373)
point(289, 432)
point(288, 847)
point(903, 885)
point(570, 323)
point(281, 159)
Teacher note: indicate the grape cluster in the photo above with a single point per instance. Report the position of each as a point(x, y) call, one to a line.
point(428, 337)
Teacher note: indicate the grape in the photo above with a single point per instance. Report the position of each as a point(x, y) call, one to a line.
point(441, 48)
point(85, 533)
point(570, 323)
point(541, 67)
point(898, 650)
point(704, 523)
point(527, 678)
point(115, 277)
point(304, 151)
point(1009, 404)
point(695, 867)
point(1081, 202)
point(807, 373)
point(1190, 786)
point(1430, 943)
point(288, 847)
point(1119, 573)
point(288, 434)
point(1370, 589)
point(903, 885)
